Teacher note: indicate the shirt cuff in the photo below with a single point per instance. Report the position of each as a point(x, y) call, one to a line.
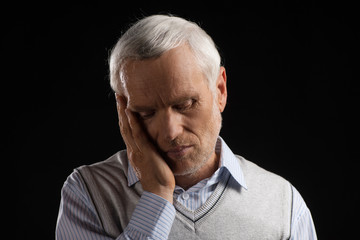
point(153, 216)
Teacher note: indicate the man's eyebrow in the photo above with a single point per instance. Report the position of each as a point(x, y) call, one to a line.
point(178, 100)
point(182, 99)
point(140, 108)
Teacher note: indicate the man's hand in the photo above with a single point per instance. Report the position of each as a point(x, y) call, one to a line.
point(152, 170)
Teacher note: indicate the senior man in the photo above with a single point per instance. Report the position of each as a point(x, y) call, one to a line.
point(177, 178)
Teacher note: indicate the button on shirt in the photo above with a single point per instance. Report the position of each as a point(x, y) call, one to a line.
point(153, 215)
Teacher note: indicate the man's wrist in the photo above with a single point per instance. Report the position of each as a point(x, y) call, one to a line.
point(153, 216)
point(165, 193)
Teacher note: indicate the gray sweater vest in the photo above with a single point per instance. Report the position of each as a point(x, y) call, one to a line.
point(262, 211)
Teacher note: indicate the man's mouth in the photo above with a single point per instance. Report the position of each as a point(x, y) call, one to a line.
point(178, 152)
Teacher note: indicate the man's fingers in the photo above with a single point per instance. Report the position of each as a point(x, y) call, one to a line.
point(129, 124)
point(125, 128)
point(140, 137)
point(136, 140)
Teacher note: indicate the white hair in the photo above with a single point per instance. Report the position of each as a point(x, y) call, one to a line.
point(151, 36)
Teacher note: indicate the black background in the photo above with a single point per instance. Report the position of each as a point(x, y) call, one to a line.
point(293, 102)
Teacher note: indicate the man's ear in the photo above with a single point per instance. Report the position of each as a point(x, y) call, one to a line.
point(221, 90)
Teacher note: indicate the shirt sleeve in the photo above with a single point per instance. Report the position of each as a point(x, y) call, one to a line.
point(78, 219)
point(302, 225)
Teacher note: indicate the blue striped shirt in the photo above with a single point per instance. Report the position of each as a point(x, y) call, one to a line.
point(153, 215)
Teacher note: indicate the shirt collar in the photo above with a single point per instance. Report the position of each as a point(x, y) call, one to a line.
point(228, 161)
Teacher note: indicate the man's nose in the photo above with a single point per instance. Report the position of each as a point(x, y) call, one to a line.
point(170, 125)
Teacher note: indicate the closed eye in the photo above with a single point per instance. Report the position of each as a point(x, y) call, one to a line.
point(146, 115)
point(181, 107)
point(184, 105)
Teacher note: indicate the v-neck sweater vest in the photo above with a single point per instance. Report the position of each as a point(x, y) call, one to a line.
point(262, 211)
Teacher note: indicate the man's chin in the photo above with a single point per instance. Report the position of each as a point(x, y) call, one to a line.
point(185, 169)
point(187, 166)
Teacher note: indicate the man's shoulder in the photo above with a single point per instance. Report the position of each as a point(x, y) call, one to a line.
point(253, 173)
point(113, 167)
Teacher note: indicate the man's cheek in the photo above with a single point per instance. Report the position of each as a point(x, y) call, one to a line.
point(199, 119)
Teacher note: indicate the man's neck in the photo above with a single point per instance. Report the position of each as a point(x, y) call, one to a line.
point(206, 171)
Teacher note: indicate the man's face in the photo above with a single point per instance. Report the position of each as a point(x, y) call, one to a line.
point(178, 110)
